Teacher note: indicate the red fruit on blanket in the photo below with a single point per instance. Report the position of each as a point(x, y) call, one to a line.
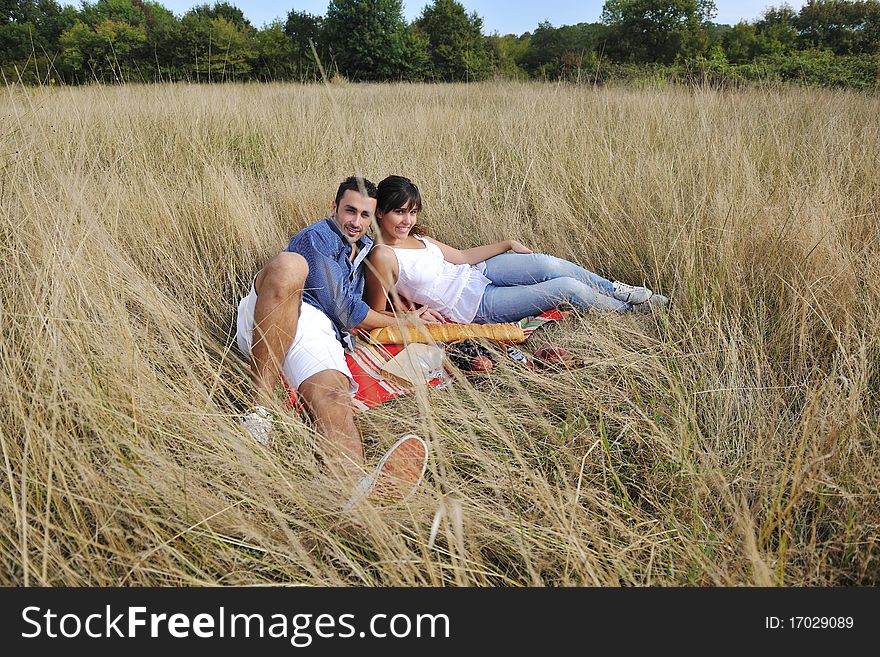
point(470, 356)
point(481, 364)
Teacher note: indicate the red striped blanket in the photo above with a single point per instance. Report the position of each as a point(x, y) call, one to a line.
point(366, 362)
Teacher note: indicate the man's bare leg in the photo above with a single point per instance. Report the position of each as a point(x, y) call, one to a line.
point(327, 398)
point(279, 287)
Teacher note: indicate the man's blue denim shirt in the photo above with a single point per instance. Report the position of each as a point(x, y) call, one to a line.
point(335, 284)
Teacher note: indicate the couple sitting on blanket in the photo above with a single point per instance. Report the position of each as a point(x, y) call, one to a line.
point(306, 300)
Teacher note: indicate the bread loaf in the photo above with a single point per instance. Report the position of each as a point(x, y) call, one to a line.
point(447, 333)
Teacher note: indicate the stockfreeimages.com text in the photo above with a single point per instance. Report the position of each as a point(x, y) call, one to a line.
point(300, 629)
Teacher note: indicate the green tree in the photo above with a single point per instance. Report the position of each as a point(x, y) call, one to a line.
point(17, 29)
point(418, 59)
point(17, 11)
point(235, 49)
point(505, 54)
point(194, 45)
point(275, 58)
point(457, 46)
point(776, 31)
point(110, 51)
point(555, 52)
point(51, 20)
point(741, 43)
point(213, 47)
point(24, 11)
point(224, 10)
point(129, 40)
point(119, 11)
point(843, 26)
point(163, 35)
point(303, 30)
point(29, 29)
point(366, 39)
point(657, 30)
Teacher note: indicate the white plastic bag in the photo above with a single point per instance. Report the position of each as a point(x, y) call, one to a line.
point(416, 364)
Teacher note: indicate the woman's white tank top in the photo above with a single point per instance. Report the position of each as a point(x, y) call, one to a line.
point(427, 278)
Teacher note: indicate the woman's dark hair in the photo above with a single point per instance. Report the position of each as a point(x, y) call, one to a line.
point(399, 192)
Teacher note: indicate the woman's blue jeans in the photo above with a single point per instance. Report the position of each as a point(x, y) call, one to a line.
point(528, 284)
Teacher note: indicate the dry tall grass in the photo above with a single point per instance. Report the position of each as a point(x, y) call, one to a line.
point(732, 441)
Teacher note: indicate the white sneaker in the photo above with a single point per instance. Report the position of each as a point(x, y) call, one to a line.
point(655, 302)
point(659, 301)
point(259, 422)
point(631, 294)
point(397, 475)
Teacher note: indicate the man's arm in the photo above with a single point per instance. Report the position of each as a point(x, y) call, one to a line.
point(417, 317)
point(329, 283)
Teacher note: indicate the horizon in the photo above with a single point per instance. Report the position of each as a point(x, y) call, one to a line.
point(513, 17)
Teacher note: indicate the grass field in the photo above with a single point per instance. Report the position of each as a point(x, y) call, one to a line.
point(732, 441)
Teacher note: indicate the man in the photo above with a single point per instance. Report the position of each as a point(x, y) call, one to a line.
point(294, 323)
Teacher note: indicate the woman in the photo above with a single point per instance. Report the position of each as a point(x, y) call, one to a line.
point(485, 284)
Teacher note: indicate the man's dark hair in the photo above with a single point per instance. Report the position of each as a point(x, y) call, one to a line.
point(355, 184)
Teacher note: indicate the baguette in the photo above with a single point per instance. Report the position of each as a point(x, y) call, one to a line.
point(447, 333)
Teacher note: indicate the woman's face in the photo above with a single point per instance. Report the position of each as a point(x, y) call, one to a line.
point(396, 224)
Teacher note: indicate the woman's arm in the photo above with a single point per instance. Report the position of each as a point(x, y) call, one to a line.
point(374, 319)
point(380, 274)
point(478, 253)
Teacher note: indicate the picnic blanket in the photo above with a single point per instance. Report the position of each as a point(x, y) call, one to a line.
point(366, 362)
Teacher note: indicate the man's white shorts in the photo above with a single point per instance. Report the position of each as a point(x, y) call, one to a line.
point(315, 347)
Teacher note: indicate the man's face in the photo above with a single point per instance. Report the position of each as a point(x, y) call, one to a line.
point(353, 214)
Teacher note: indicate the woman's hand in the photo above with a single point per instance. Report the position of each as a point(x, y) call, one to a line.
point(431, 316)
point(423, 315)
point(518, 247)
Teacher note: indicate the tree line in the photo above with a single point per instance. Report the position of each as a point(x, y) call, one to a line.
point(828, 42)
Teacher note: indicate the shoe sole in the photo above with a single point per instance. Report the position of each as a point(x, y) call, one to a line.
point(397, 475)
point(659, 301)
point(656, 302)
point(259, 424)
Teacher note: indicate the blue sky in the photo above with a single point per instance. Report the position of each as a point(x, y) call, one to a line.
point(502, 16)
